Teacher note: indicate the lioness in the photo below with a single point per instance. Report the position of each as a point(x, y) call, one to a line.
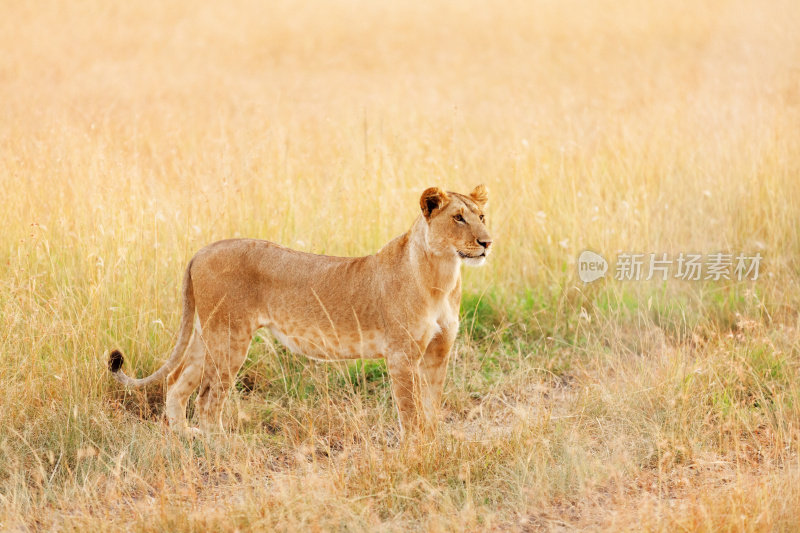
point(401, 303)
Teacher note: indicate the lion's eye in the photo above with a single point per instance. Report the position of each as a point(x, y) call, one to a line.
point(458, 218)
point(481, 217)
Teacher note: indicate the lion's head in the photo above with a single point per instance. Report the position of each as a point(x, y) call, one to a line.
point(457, 224)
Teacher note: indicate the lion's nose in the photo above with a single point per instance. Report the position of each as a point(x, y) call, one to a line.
point(484, 242)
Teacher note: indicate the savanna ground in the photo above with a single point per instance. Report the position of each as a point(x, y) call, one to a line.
point(133, 133)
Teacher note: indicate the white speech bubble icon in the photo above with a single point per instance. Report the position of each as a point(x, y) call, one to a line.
point(591, 266)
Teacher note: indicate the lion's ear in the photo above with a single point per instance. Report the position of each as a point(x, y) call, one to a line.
point(432, 199)
point(480, 195)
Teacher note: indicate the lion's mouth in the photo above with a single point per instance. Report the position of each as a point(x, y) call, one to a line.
point(467, 256)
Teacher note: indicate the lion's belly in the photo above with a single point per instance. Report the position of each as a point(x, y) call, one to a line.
point(318, 345)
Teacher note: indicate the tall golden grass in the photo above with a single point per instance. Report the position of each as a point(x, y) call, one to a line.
point(131, 134)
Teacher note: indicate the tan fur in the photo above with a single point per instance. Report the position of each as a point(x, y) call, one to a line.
point(401, 303)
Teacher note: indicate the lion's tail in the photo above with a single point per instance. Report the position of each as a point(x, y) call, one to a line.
point(115, 358)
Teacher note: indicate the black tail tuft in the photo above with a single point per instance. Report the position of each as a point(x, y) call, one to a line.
point(115, 360)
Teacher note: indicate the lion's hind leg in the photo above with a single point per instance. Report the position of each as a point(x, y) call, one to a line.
point(182, 382)
point(225, 355)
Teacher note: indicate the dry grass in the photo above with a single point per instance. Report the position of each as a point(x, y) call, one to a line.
point(133, 133)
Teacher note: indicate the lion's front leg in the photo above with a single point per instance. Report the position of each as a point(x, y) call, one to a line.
point(405, 376)
point(433, 369)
